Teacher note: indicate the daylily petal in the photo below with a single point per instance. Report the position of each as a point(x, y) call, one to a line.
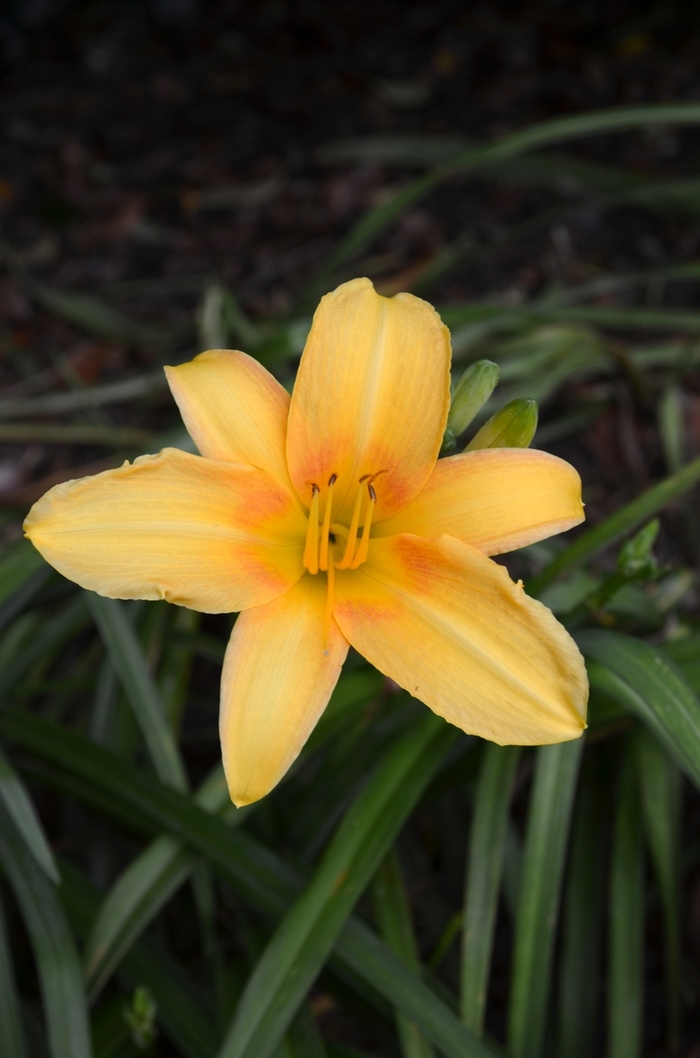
point(277, 678)
point(212, 536)
point(496, 499)
point(233, 409)
point(451, 627)
point(371, 394)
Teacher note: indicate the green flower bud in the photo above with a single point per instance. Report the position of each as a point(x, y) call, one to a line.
point(636, 559)
point(470, 394)
point(512, 427)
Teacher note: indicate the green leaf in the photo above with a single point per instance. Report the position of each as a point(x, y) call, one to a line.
point(48, 638)
point(17, 565)
point(52, 943)
point(12, 1041)
point(303, 941)
point(142, 890)
point(265, 881)
point(19, 806)
point(626, 921)
point(487, 843)
point(181, 1011)
point(377, 220)
point(659, 781)
point(548, 824)
point(579, 976)
point(152, 878)
point(129, 663)
point(394, 919)
point(615, 527)
point(647, 683)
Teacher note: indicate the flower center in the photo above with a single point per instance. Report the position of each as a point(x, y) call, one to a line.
point(321, 541)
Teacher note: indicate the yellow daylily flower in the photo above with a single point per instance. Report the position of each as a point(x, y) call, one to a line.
point(328, 520)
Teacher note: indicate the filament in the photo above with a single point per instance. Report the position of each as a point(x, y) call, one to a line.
point(363, 549)
point(354, 524)
point(323, 558)
point(310, 560)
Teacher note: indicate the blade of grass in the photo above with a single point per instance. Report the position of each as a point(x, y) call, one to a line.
point(17, 566)
point(34, 433)
point(142, 890)
point(487, 842)
point(647, 684)
point(51, 635)
point(12, 1041)
point(548, 824)
point(579, 976)
point(20, 807)
point(626, 921)
point(64, 403)
point(303, 941)
point(394, 919)
point(135, 798)
point(129, 663)
point(377, 220)
point(659, 781)
point(181, 1011)
point(85, 311)
point(151, 879)
point(623, 521)
point(52, 944)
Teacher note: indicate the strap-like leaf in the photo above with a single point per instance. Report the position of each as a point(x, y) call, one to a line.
point(548, 823)
point(304, 939)
point(659, 781)
point(12, 1040)
point(579, 973)
point(130, 665)
point(264, 880)
point(52, 943)
point(487, 843)
point(648, 684)
point(394, 919)
point(626, 921)
point(20, 807)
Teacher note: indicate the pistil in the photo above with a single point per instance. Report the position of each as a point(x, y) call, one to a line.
point(330, 595)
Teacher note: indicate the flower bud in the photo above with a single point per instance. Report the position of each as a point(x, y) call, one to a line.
point(636, 559)
point(512, 427)
point(471, 393)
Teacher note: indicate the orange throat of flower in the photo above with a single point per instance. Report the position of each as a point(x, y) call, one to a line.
point(329, 540)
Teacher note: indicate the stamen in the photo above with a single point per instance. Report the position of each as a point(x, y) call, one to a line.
point(330, 593)
point(363, 549)
point(310, 559)
point(354, 524)
point(326, 528)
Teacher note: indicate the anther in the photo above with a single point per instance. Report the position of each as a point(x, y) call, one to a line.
point(310, 560)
